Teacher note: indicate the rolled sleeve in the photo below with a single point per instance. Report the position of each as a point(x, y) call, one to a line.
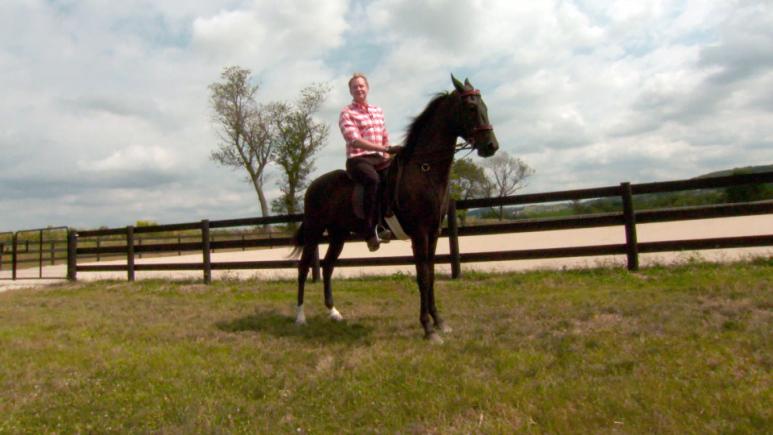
point(348, 127)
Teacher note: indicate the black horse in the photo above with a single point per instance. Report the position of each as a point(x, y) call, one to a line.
point(418, 178)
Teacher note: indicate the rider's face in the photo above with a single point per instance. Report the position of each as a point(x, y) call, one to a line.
point(359, 90)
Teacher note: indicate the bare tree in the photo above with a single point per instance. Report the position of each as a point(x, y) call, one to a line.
point(245, 128)
point(300, 138)
point(507, 175)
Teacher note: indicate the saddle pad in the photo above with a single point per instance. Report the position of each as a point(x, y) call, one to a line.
point(397, 229)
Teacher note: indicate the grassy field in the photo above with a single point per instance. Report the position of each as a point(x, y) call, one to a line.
point(666, 350)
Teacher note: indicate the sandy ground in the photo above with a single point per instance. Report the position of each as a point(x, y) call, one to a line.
point(696, 229)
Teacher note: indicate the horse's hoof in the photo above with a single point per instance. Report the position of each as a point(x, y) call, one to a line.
point(434, 338)
point(445, 329)
point(335, 315)
point(300, 317)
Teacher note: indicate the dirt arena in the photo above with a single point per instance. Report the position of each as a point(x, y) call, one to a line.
point(696, 229)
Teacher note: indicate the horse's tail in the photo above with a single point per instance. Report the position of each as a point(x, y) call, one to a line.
point(298, 242)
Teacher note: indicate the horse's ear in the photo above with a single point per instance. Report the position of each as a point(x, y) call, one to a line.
point(467, 83)
point(457, 84)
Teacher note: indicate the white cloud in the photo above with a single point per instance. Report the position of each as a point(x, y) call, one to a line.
point(133, 158)
point(106, 103)
point(230, 32)
point(269, 33)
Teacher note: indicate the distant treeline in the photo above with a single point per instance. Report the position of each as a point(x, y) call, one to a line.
point(746, 193)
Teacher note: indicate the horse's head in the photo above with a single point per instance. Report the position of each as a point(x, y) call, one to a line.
point(475, 126)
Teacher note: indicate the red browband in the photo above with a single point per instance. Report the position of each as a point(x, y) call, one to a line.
point(469, 93)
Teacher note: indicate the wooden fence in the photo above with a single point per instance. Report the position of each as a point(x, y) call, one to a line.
point(28, 249)
point(129, 247)
point(627, 217)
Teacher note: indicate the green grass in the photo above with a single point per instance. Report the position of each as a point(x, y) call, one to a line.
point(666, 350)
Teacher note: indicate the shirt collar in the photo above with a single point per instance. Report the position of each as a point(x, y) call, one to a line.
point(360, 106)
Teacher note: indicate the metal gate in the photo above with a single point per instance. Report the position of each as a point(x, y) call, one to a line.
point(34, 254)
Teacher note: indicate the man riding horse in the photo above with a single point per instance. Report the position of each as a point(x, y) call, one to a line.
point(416, 187)
point(367, 143)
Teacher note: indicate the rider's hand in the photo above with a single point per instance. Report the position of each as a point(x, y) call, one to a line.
point(393, 149)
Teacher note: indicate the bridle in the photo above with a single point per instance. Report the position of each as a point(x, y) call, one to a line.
point(469, 137)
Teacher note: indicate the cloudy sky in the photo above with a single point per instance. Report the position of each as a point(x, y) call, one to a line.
point(105, 119)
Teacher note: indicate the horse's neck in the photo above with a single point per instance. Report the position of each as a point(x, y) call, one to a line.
point(435, 141)
point(433, 154)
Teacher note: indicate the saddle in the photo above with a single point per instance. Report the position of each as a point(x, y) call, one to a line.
point(385, 198)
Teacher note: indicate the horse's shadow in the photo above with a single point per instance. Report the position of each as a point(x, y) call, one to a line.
point(317, 328)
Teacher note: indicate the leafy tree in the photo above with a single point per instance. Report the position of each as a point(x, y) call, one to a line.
point(299, 138)
point(246, 129)
point(747, 192)
point(468, 180)
point(508, 175)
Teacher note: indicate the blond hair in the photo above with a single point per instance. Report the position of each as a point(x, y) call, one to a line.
point(358, 75)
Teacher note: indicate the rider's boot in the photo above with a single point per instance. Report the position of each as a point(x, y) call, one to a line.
point(380, 235)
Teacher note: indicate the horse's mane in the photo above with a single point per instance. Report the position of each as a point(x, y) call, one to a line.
point(419, 122)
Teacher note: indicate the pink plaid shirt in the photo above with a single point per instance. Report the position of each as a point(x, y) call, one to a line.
point(359, 121)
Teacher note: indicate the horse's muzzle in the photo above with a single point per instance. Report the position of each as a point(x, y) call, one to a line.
point(488, 149)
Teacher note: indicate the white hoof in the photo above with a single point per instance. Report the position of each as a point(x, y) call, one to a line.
point(300, 317)
point(335, 315)
point(434, 338)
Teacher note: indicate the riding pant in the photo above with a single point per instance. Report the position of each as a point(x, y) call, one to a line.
point(363, 170)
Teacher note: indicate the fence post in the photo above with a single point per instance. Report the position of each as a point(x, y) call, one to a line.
point(72, 252)
point(453, 241)
point(205, 251)
point(53, 252)
point(14, 255)
point(2, 249)
point(130, 253)
point(40, 254)
point(179, 245)
point(631, 242)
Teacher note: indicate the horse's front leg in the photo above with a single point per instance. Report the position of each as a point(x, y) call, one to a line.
point(423, 279)
point(439, 323)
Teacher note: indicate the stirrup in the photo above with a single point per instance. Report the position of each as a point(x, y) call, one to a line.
point(383, 234)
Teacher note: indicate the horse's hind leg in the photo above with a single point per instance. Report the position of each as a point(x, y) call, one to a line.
point(333, 251)
point(309, 250)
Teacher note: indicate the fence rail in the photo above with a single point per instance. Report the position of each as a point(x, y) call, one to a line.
point(37, 246)
point(125, 243)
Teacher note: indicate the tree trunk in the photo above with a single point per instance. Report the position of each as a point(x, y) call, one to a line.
point(264, 210)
